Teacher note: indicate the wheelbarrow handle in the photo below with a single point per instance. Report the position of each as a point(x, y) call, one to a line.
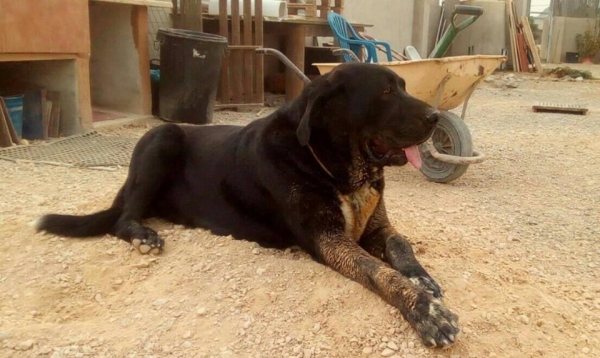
point(289, 64)
point(468, 10)
point(474, 11)
point(442, 46)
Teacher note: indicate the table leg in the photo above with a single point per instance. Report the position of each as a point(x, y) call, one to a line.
point(294, 50)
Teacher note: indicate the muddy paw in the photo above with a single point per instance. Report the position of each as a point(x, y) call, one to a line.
point(147, 241)
point(428, 284)
point(437, 326)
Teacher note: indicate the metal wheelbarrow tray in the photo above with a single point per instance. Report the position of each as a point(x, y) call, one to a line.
point(444, 83)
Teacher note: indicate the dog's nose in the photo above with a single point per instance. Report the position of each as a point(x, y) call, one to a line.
point(434, 117)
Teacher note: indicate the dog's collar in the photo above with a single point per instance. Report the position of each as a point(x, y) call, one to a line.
point(318, 161)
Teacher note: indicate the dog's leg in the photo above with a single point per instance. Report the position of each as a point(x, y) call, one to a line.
point(321, 229)
point(381, 240)
point(155, 157)
point(436, 325)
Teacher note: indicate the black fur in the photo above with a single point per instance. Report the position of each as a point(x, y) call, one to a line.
point(283, 180)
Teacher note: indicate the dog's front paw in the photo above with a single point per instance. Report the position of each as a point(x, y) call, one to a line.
point(427, 283)
point(147, 241)
point(436, 325)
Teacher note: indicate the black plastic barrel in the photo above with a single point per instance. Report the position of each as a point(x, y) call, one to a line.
point(190, 65)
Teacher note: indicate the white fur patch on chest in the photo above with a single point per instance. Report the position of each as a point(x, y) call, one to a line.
point(357, 209)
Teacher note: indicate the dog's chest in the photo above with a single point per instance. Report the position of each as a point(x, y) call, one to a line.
point(357, 209)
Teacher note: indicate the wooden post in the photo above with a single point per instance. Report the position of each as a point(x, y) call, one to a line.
point(237, 62)
point(191, 15)
point(224, 31)
point(294, 48)
point(259, 63)
point(324, 9)
point(248, 54)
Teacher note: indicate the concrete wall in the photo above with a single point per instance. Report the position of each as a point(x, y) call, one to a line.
point(426, 17)
point(487, 36)
point(562, 37)
point(392, 20)
point(114, 70)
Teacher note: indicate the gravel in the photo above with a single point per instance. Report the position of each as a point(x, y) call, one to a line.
point(514, 243)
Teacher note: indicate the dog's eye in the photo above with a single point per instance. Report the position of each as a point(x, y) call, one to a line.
point(387, 90)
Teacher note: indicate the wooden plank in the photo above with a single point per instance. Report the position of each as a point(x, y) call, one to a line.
point(242, 47)
point(248, 54)
point(236, 57)
point(310, 8)
point(522, 50)
point(11, 128)
point(324, 9)
point(139, 21)
point(46, 114)
point(290, 6)
point(531, 43)
point(238, 105)
point(5, 137)
point(513, 37)
point(49, 26)
point(152, 3)
point(175, 14)
point(53, 130)
point(338, 7)
point(259, 63)
point(560, 108)
point(224, 31)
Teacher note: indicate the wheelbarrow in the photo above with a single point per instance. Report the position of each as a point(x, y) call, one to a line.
point(444, 83)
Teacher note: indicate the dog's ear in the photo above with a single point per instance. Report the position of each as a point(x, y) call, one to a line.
point(317, 96)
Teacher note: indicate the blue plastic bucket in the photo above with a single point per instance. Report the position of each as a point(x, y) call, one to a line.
point(14, 104)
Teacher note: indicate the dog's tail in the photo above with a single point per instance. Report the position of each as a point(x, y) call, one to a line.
point(100, 223)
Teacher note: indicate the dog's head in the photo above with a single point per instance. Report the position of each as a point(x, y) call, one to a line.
point(368, 103)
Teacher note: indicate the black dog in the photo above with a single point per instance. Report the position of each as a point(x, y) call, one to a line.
point(311, 174)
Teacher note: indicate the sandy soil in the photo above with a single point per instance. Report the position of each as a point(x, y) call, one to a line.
point(514, 243)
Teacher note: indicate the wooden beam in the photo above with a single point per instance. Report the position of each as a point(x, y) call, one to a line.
point(248, 55)
point(191, 15)
point(513, 37)
point(224, 31)
point(259, 63)
point(11, 128)
point(236, 57)
point(5, 137)
point(531, 43)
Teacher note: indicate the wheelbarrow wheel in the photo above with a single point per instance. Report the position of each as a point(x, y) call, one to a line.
point(450, 137)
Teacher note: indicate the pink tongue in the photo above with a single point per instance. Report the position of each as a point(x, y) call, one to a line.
point(413, 156)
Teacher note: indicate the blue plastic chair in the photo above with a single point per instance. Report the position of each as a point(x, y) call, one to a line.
point(350, 40)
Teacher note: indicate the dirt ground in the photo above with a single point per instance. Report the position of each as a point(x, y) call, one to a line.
point(514, 243)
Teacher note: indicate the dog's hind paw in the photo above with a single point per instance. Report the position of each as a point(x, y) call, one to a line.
point(437, 326)
point(147, 241)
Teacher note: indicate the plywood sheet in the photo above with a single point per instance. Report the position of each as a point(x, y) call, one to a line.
point(48, 26)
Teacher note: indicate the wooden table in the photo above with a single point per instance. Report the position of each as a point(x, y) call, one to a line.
point(293, 31)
